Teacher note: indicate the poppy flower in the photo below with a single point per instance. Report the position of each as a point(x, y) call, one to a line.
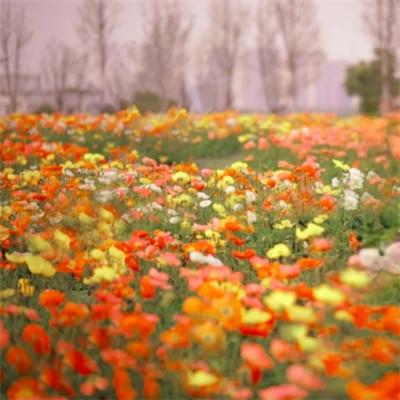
point(19, 358)
point(37, 337)
point(25, 388)
point(51, 299)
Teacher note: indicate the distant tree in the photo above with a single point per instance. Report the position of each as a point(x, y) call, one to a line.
point(163, 52)
point(206, 72)
point(269, 56)
point(227, 21)
point(148, 101)
point(299, 37)
point(382, 22)
point(58, 66)
point(14, 37)
point(365, 80)
point(98, 21)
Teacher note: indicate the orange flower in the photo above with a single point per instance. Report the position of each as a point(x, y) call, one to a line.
point(25, 388)
point(310, 263)
point(36, 336)
point(147, 289)
point(19, 358)
point(383, 350)
point(387, 388)
point(50, 298)
point(203, 246)
point(122, 385)
point(176, 337)
point(73, 313)
point(354, 243)
point(209, 335)
point(244, 255)
point(228, 311)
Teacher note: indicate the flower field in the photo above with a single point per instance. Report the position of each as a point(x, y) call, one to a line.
point(182, 256)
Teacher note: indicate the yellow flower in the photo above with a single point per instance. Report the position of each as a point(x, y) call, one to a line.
point(219, 209)
point(181, 178)
point(16, 258)
point(293, 331)
point(84, 219)
point(240, 166)
point(280, 300)
point(38, 265)
point(308, 344)
point(311, 230)
point(319, 219)
point(278, 251)
point(25, 287)
point(343, 315)
point(284, 224)
point(201, 378)
point(328, 295)
point(97, 254)
point(62, 239)
point(37, 244)
point(117, 254)
point(5, 293)
point(255, 316)
point(301, 314)
point(106, 215)
point(341, 165)
point(354, 278)
point(102, 274)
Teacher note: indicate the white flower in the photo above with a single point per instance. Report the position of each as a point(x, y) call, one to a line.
point(230, 189)
point(205, 203)
point(251, 217)
point(213, 261)
point(371, 174)
point(196, 256)
point(200, 258)
point(175, 220)
point(237, 207)
point(203, 196)
point(155, 188)
point(370, 258)
point(354, 179)
point(250, 197)
point(335, 182)
point(350, 200)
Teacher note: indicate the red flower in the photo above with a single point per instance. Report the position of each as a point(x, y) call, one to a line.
point(37, 337)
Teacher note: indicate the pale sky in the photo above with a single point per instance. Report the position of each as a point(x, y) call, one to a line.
point(341, 32)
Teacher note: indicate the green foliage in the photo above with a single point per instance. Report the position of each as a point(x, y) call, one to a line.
point(148, 101)
point(365, 80)
point(44, 109)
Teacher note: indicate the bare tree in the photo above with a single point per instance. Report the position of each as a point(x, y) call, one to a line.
point(207, 80)
point(59, 66)
point(269, 56)
point(164, 54)
point(382, 22)
point(14, 37)
point(98, 21)
point(299, 34)
point(227, 19)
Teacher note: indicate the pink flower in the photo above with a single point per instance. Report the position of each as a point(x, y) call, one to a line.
point(302, 376)
point(283, 392)
point(263, 143)
point(255, 356)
